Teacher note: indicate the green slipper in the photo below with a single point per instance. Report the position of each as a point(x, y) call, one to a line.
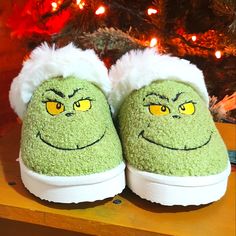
point(174, 152)
point(70, 151)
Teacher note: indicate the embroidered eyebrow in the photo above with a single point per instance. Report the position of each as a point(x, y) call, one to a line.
point(59, 93)
point(176, 96)
point(158, 95)
point(73, 94)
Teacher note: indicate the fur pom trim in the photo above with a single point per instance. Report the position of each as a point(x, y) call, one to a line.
point(47, 62)
point(139, 68)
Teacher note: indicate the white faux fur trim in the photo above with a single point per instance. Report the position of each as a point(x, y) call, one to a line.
point(139, 68)
point(46, 62)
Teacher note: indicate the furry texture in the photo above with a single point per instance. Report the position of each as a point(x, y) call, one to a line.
point(176, 143)
point(73, 142)
point(138, 68)
point(47, 62)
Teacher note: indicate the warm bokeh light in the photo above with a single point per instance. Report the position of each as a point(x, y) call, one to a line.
point(54, 6)
point(101, 10)
point(194, 38)
point(80, 3)
point(151, 11)
point(153, 42)
point(218, 54)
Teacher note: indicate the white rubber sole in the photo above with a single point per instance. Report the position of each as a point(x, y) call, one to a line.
point(172, 190)
point(74, 189)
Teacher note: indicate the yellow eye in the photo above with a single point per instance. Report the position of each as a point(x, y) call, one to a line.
point(54, 108)
point(187, 108)
point(159, 110)
point(82, 105)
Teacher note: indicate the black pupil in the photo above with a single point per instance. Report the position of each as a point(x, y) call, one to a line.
point(58, 106)
point(77, 104)
point(183, 108)
point(163, 108)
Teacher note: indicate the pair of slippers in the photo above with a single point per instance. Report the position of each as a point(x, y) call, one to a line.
point(71, 151)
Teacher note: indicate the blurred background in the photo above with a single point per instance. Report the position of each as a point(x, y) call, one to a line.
point(202, 31)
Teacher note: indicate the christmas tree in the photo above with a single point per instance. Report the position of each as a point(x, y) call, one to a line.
point(202, 31)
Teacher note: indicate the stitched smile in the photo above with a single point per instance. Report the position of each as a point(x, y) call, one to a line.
point(172, 148)
point(70, 149)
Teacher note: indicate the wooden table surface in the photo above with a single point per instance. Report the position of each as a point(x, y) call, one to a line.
point(131, 216)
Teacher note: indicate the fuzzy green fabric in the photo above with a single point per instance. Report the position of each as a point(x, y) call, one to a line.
point(73, 142)
point(172, 144)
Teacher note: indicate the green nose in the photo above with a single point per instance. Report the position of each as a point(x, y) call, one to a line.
point(176, 116)
point(69, 114)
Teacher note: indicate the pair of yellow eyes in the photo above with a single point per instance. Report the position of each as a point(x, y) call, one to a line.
point(55, 108)
point(160, 110)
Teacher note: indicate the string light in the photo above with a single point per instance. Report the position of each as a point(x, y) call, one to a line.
point(151, 11)
point(218, 54)
point(194, 38)
point(101, 10)
point(153, 42)
point(80, 3)
point(54, 6)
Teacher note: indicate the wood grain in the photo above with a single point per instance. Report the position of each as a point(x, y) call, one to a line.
point(133, 216)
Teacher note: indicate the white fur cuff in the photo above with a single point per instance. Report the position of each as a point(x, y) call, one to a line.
point(138, 68)
point(47, 62)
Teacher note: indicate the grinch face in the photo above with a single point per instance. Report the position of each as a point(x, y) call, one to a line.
point(166, 128)
point(68, 130)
